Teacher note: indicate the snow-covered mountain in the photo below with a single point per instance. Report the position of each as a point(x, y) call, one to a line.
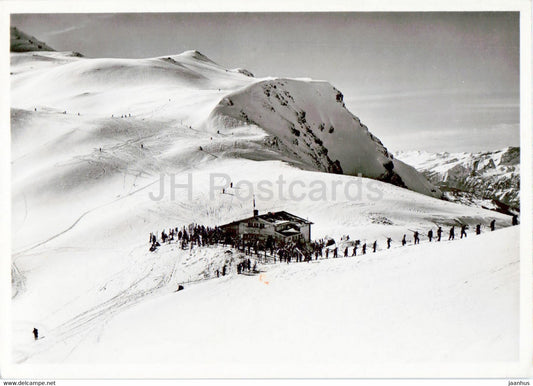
point(90, 141)
point(308, 121)
point(303, 122)
point(490, 175)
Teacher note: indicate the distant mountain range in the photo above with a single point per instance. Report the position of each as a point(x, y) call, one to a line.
point(490, 178)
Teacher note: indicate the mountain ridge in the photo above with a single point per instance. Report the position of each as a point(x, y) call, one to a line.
point(307, 118)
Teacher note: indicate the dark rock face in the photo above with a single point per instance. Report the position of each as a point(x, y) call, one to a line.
point(22, 42)
point(391, 177)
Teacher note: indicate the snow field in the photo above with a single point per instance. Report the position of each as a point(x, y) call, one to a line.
point(454, 302)
point(81, 220)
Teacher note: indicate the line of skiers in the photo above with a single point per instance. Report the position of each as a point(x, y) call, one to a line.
point(319, 246)
point(287, 252)
point(122, 116)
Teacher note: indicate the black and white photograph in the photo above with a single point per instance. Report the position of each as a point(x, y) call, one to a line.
point(272, 193)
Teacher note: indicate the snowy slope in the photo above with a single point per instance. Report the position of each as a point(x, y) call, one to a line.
point(99, 263)
point(487, 175)
point(81, 210)
point(169, 88)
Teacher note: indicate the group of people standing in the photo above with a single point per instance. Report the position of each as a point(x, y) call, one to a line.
point(187, 236)
point(246, 265)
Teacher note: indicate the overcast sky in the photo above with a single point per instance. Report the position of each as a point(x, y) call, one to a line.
point(427, 81)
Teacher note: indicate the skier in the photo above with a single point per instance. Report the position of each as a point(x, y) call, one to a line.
point(388, 242)
point(439, 233)
point(478, 229)
point(346, 252)
point(417, 240)
point(404, 241)
point(452, 233)
point(354, 253)
point(374, 246)
point(335, 253)
point(463, 230)
point(35, 333)
point(492, 225)
point(430, 235)
point(515, 219)
point(364, 249)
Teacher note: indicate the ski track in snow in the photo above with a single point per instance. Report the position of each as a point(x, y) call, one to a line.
point(18, 253)
point(77, 329)
point(93, 322)
point(82, 324)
